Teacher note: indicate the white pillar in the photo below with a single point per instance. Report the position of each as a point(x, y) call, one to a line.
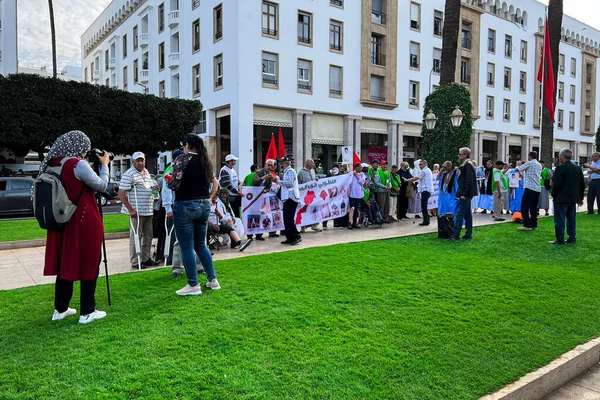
point(242, 135)
point(392, 129)
point(400, 144)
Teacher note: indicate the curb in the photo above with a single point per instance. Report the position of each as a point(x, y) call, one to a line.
point(544, 381)
point(21, 244)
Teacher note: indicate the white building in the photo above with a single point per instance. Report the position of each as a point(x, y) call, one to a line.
point(332, 73)
point(8, 37)
point(68, 73)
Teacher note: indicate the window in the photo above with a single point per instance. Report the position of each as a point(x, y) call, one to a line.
point(304, 75)
point(135, 38)
point(560, 119)
point(465, 70)
point(561, 91)
point(218, 22)
point(269, 69)
point(85, 76)
point(521, 113)
point(106, 60)
point(415, 16)
point(437, 60)
point(377, 57)
point(491, 41)
point(491, 74)
point(571, 121)
point(377, 88)
point(195, 4)
point(523, 51)
point(136, 70)
point(572, 95)
point(377, 14)
point(269, 19)
point(507, 76)
point(465, 35)
point(413, 94)
point(161, 56)
point(125, 46)
point(125, 78)
point(161, 17)
point(92, 71)
point(573, 67)
point(161, 89)
point(335, 35)
point(335, 81)
point(218, 71)
point(561, 63)
point(506, 110)
point(304, 28)
point(522, 81)
point(196, 35)
point(107, 82)
point(202, 123)
point(438, 18)
point(415, 49)
point(196, 80)
point(489, 106)
point(508, 46)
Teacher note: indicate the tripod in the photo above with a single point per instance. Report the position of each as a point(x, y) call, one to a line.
point(99, 202)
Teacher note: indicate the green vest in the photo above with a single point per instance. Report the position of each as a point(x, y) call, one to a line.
point(544, 177)
point(248, 179)
point(504, 181)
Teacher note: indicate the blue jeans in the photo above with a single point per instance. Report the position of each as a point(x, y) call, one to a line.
point(190, 218)
point(562, 212)
point(464, 213)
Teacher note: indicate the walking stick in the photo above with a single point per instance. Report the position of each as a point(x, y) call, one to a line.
point(136, 236)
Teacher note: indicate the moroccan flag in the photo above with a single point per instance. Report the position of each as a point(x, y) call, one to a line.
point(356, 159)
point(272, 152)
point(281, 145)
point(546, 73)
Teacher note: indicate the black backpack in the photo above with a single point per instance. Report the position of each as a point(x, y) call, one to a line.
point(51, 205)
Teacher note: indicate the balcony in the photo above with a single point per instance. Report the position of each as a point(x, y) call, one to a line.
point(270, 80)
point(304, 39)
point(112, 63)
point(144, 40)
point(378, 17)
point(144, 75)
point(378, 59)
point(339, 3)
point(173, 60)
point(173, 18)
point(465, 78)
point(270, 32)
point(304, 86)
point(335, 92)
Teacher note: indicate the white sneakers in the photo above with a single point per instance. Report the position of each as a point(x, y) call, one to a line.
point(190, 291)
point(86, 319)
point(56, 316)
point(214, 284)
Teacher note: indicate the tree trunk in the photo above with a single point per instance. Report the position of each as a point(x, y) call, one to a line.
point(450, 41)
point(53, 34)
point(555, 16)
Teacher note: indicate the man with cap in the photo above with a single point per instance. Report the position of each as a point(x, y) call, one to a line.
point(228, 179)
point(136, 194)
point(290, 196)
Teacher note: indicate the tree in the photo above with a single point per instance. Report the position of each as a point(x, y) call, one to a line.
point(53, 38)
point(35, 110)
point(450, 41)
point(444, 137)
point(598, 139)
point(555, 16)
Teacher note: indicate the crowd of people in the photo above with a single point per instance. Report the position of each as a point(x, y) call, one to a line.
point(202, 206)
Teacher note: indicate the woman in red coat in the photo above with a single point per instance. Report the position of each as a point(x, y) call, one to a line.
point(73, 254)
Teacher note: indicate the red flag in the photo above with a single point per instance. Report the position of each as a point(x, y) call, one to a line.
point(546, 73)
point(356, 159)
point(281, 144)
point(272, 152)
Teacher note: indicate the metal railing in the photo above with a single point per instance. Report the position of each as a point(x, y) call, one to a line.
point(335, 92)
point(269, 81)
point(466, 43)
point(304, 39)
point(270, 32)
point(377, 98)
point(378, 59)
point(304, 86)
point(339, 3)
point(337, 47)
point(378, 17)
point(465, 78)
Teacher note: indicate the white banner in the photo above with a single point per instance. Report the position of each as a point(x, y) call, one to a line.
point(434, 198)
point(320, 200)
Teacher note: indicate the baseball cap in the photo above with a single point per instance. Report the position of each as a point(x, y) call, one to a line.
point(138, 154)
point(285, 159)
point(231, 157)
point(364, 165)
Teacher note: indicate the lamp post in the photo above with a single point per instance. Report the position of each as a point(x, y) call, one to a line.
point(456, 119)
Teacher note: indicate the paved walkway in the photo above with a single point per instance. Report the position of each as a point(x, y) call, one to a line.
point(24, 267)
point(584, 387)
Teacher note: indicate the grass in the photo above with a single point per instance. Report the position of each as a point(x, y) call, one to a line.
point(407, 318)
point(28, 229)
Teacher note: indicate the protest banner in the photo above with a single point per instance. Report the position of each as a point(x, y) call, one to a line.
point(434, 198)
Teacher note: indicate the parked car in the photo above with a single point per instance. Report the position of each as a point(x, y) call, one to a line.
point(111, 193)
point(15, 196)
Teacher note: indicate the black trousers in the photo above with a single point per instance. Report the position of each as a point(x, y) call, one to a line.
point(529, 208)
point(63, 292)
point(593, 195)
point(402, 203)
point(289, 213)
point(236, 205)
point(424, 198)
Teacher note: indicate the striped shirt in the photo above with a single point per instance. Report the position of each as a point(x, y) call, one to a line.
point(143, 188)
point(532, 172)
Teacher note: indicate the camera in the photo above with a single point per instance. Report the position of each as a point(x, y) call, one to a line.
point(92, 155)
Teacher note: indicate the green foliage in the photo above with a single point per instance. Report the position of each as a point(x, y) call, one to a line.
point(442, 321)
point(35, 110)
point(442, 101)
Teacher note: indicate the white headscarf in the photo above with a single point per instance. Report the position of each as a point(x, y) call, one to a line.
point(417, 168)
point(71, 144)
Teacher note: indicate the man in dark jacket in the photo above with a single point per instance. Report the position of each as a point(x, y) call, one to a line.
point(567, 189)
point(467, 188)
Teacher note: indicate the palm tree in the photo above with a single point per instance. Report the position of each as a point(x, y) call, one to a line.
point(53, 34)
point(450, 41)
point(555, 16)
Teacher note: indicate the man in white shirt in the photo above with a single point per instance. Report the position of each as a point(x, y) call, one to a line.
point(425, 188)
point(532, 172)
point(228, 179)
point(290, 196)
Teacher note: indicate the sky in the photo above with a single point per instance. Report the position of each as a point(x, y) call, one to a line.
point(72, 17)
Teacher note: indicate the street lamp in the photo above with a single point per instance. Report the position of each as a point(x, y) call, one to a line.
point(455, 118)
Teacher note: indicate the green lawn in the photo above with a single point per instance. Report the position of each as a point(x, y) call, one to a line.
point(30, 229)
point(408, 318)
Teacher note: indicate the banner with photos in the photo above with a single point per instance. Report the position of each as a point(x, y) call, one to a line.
point(320, 200)
point(435, 196)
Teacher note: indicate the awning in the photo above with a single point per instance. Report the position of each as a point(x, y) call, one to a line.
point(373, 126)
point(267, 116)
point(327, 129)
point(412, 130)
point(489, 136)
point(223, 112)
point(561, 144)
